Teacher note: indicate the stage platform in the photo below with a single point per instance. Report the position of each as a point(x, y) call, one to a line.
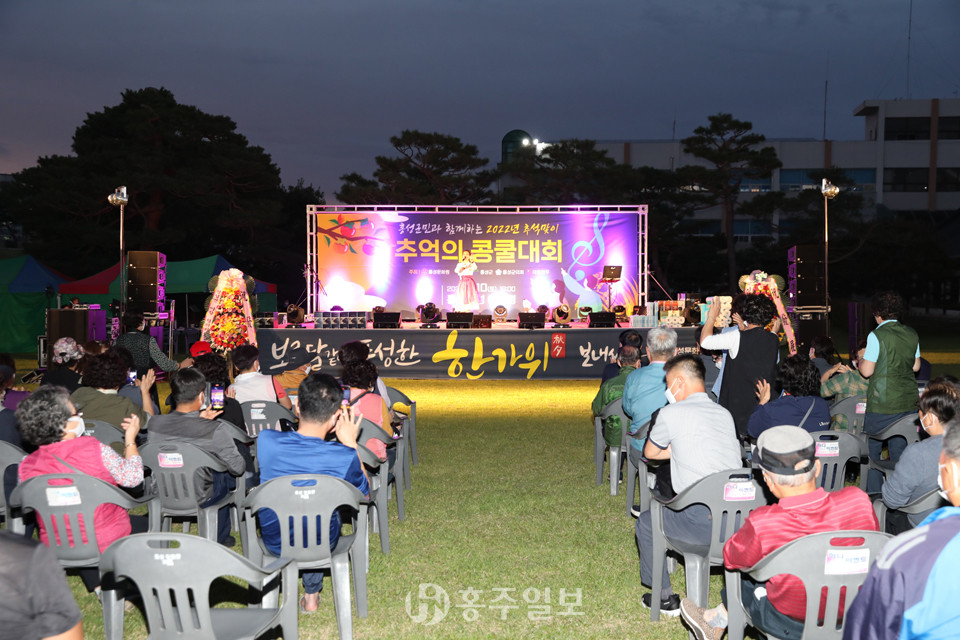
point(501, 352)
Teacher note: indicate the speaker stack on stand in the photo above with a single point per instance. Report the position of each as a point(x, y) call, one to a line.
point(146, 281)
point(807, 299)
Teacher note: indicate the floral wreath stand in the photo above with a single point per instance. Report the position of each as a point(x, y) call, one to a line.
point(229, 320)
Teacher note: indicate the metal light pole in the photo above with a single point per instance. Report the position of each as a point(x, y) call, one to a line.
point(118, 199)
point(829, 191)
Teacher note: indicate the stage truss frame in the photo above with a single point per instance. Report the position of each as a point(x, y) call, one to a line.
point(315, 210)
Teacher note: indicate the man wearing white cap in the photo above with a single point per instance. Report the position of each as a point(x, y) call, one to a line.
point(787, 458)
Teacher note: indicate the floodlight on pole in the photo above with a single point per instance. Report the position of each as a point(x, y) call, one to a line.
point(119, 199)
point(829, 191)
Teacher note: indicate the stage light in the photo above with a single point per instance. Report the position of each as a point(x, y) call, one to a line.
point(544, 309)
point(526, 142)
point(621, 312)
point(429, 314)
point(295, 314)
point(500, 313)
point(585, 312)
point(561, 315)
point(379, 309)
point(336, 307)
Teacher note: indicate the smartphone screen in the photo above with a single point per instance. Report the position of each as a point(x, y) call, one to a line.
point(132, 376)
point(216, 397)
point(346, 396)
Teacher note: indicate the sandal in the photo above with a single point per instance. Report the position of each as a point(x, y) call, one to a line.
point(304, 610)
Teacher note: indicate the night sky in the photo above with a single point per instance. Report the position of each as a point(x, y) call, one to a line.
point(322, 85)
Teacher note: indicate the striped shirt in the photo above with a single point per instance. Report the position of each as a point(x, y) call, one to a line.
point(769, 528)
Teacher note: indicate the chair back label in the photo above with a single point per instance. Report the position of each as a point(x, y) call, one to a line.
point(842, 562)
point(170, 460)
point(166, 559)
point(257, 412)
point(739, 491)
point(861, 407)
point(305, 494)
point(63, 496)
point(828, 449)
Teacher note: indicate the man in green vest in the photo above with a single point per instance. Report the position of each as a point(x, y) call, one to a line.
point(889, 363)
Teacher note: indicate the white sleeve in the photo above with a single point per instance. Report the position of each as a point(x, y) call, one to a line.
point(728, 341)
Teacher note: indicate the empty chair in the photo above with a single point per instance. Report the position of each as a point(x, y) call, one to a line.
point(174, 466)
point(730, 496)
point(834, 449)
point(926, 502)
point(174, 573)
point(408, 429)
point(823, 562)
point(10, 454)
point(305, 506)
point(262, 414)
point(614, 453)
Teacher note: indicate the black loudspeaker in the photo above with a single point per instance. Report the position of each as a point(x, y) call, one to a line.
point(386, 319)
point(603, 319)
point(481, 321)
point(805, 277)
point(83, 325)
point(459, 320)
point(808, 326)
point(531, 320)
point(146, 281)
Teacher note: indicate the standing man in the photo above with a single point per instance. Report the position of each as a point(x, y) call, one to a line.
point(697, 436)
point(889, 362)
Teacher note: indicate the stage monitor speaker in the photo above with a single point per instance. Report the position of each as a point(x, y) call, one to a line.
point(603, 319)
point(386, 319)
point(531, 320)
point(83, 325)
point(482, 321)
point(459, 320)
point(805, 276)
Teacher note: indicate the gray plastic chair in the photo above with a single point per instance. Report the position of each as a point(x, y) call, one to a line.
point(261, 414)
point(105, 432)
point(730, 496)
point(62, 501)
point(926, 502)
point(174, 466)
point(614, 408)
point(174, 573)
point(906, 428)
point(834, 449)
point(370, 430)
point(634, 474)
point(854, 409)
point(304, 505)
point(10, 454)
point(379, 522)
point(408, 429)
point(806, 558)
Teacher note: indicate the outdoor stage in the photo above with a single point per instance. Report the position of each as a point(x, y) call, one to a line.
point(501, 352)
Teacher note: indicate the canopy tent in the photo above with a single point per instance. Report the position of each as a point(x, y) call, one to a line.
point(186, 276)
point(27, 290)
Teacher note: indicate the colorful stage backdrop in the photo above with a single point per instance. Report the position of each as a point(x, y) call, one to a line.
point(400, 257)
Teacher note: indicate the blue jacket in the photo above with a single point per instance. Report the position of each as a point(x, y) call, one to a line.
point(790, 410)
point(642, 395)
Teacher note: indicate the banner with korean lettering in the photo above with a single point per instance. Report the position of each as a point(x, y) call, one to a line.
point(400, 259)
point(466, 354)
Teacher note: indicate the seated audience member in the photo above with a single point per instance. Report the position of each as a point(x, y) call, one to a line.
point(841, 382)
point(200, 348)
point(698, 437)
point(49, 421)
point(356, 350)
point(308, 450)
point(611, 390)
point(13, 394)
point(799, 404)
point(752, 354)
point(98, 398)
point(191, 422)
point(891, 358)
point(37, 601)
point(911, 590)
point(132, 389)
point(359, 380)
point(787, 459)
point(249, 384)
point(643, 392)
point(823, 354)
point(631, 338)
point(916, 472)
point(67, 362)
point(213, 366)
point(9, 431)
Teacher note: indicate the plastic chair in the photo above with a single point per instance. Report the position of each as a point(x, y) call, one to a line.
point(634, 474)
point(853, 408)
point(834, 449)
point(174, 573)
point(926, 502)
point(261, 414)
point(808, 558)
point(370, 430)
point(174, 466)
point(730, 496)
point(105, 432)
point(10, 454)
point(614, 408)
point(379, 522)
point(65, 503)
point(409, 429)
point(304, 505)
point(906, 428)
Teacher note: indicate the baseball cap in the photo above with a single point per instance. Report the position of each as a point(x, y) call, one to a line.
point(200, 348)
point(786, 450)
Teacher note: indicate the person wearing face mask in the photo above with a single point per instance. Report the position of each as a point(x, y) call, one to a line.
point(916, 472)
point(698, 438)
point(49, 421)
point(912, 589)
point(249, 384)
